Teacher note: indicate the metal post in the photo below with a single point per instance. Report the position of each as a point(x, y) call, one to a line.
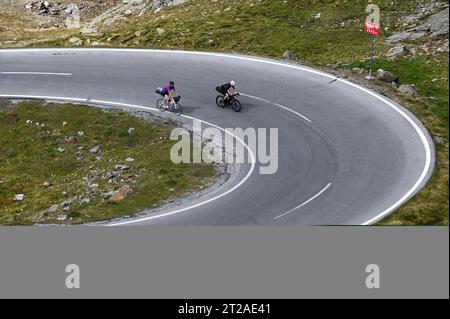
point(370, 77)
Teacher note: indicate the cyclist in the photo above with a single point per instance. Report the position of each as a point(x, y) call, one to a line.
point(169, 92)
point(228, 90)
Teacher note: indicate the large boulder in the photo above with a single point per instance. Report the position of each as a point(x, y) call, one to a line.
point(122, 193)
point(439, 24)
point(435, 27)
point(72, 20)
point(396, 51)
point(386, 76)
point(407, 89)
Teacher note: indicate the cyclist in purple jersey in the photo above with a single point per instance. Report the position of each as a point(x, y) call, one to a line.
point(169, 91)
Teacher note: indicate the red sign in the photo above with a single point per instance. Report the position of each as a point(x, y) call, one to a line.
point(372, 29)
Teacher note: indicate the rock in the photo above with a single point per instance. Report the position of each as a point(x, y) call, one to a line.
point(86, 200)
point(160, 31)
point(439, 139)
point(126, 176)
point(416, 36)
point(289, 55)
point(177, 2)
point(61, 149)
point(108, 194)
point(71, 140)
point(317, 16)
point(112, 174)
point(80, 133)
point(52, 209)
point(412, 18)
point(406, 89)
point(121, 167)
point(19, 197)
point(95, 149)
point(398, 37)
point(74, 40)
point(93, 185)
point(46, 184)
point(66, 203)
point(439, 24)
point(436, 26)
point(72, 20)
point(130, 130)
point(96, 44)
point(88, 31)
point(358, 70)
point(397, 50)
point(62, 217)
point(386, 76)
point(122, 193)
point(129, 159)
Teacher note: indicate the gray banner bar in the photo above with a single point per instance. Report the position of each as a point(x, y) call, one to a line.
point(225, 262)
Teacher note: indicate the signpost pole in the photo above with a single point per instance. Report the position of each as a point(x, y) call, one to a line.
point(370, 77)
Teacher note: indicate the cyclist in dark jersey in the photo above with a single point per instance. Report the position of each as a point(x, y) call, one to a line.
point(228, 90)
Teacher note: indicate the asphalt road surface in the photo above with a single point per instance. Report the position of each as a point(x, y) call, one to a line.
point(347, 156)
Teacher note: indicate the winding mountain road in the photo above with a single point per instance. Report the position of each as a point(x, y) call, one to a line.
point(347, 156)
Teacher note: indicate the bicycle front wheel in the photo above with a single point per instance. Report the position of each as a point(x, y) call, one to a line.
point(236, 105)
point(177, 109)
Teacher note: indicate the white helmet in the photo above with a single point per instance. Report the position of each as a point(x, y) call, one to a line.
point(232, 83)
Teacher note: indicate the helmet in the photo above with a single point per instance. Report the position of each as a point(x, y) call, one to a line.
point(232, 83)
point(172, 83)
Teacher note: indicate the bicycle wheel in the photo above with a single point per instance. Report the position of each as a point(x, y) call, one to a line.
point(236, 105)
point(177, 109)
point(219, 101)
point(161, 105)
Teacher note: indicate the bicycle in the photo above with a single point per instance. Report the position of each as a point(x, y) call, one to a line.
point(172, 105)
point(235, 104)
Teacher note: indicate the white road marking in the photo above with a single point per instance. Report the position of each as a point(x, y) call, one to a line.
point(279, 105)
point(36, 73)
point(304, 203)
point(422, 136)
point(109, 103)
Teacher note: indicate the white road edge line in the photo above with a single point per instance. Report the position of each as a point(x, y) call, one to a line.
point(304, 203)
point(422, 136)
point(35, 73)
point(279, 105)
point(109, 103)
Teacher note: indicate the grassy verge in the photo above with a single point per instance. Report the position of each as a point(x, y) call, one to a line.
point(50, 160)
point(429, 206)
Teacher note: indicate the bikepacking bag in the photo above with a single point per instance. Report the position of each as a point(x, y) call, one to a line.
point(159, 90)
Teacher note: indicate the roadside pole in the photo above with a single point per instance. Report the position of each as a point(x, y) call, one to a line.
point(370, 77)
point(374, 30)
